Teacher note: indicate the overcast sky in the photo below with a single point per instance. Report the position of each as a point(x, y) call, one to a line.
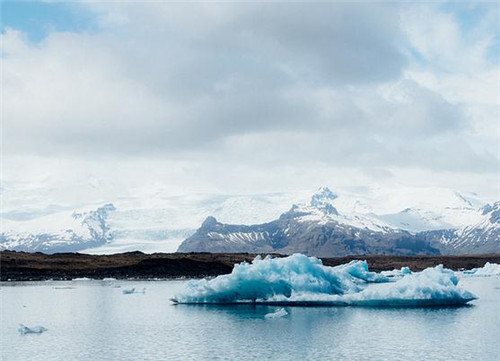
point(131, 98)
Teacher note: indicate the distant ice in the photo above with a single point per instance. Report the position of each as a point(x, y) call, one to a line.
point(82, 279)
point(23, 330)
point(277, 314)
point(489, 269)
point(303, 280)
point(129, 291)
point(404, 271)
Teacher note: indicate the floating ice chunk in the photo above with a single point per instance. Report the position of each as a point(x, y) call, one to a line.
point(82, 279)
point(277, 314)
point(108, 279)
point(404, 271)
point(23, 330)
point(489, 269)
point(431, 287)
point(129, 291)
point(301, 280)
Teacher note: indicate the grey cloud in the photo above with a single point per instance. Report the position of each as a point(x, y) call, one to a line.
point(258, 83)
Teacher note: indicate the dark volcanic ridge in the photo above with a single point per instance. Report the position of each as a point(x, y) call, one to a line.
point(21, 266)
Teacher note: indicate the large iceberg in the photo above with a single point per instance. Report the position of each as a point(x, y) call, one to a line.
point(302, 280)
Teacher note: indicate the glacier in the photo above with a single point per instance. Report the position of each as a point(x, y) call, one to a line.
point(302, 280)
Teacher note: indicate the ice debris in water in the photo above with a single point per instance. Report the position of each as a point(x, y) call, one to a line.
point(82, 279)
point(302, 280)
point(23, 330)
point(129, 291)
point(277, 314)
point(404, 271)
point(489, 269)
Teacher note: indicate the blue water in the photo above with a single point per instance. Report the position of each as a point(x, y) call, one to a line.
point(94, 320)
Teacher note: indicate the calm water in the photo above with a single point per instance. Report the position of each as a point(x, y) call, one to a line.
point(94, 320)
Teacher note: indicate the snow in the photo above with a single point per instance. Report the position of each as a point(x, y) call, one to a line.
point(160, 222)
point(300, 280)
point(24, 330)
point(279, 313)
point(489, 269)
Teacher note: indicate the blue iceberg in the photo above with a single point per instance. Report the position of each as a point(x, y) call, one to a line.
point(302, 280)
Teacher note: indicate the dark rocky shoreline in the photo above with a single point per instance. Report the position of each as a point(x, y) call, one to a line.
point(21, 266)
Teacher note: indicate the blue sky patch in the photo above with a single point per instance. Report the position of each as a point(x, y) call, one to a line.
point(38, 19)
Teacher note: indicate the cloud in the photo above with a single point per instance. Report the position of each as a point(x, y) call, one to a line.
point(259, 87)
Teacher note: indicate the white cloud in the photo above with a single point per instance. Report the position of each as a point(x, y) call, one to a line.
point(253, 97)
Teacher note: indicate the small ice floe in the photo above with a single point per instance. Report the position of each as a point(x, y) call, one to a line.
point(489, 269)
point(24, 330)
point(277, 314)
point(397, 273)
point(82, 279)
point(129, 291)
point(109, 279)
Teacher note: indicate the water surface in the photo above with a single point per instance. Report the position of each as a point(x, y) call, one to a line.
point(94, 320)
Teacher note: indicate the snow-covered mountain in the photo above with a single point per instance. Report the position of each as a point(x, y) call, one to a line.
point(319, 229)
point(482, 236)
point(315, 229)
point(59, 232)
point(162, 222)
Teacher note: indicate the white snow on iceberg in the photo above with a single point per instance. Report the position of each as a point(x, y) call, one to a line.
point(302, 280)
point(489, 269)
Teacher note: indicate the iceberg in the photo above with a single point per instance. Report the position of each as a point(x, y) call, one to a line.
point(23, 330)
point(302, 280)
point(277, 314)
point(489, 269)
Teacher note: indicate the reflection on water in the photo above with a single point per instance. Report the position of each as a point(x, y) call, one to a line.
point(94, 320)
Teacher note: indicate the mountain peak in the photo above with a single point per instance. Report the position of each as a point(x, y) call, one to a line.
point(493, 211)
point(322, 200)
point(209, 222)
